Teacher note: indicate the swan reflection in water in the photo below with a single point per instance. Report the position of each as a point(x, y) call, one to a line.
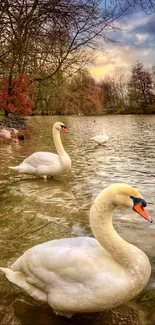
point(47, 192)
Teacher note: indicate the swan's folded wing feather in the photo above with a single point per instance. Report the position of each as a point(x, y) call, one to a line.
point(100, 138)
point(75, 273)
point(41, 158)
point(62, 261)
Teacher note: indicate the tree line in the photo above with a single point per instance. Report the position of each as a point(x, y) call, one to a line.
point(132, 93)
point(45, 47)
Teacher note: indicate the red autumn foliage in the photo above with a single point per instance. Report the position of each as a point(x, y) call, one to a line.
point(15, 97)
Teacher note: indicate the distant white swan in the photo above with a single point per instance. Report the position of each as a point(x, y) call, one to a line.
point(5, 134)
point(45, 164)
point(76, 275)
point(8, 135)
point(100, 139)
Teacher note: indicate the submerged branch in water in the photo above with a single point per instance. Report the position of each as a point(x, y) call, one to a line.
point(32, 232)
point(38, 229)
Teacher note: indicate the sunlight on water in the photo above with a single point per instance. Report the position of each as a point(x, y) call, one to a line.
point(33, 211)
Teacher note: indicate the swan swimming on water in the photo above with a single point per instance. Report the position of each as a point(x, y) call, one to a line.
point(45, 164)
point(100, 139)
point(8, 135)
point(84, 274)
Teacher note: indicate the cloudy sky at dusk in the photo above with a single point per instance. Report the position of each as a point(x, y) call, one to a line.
point(136, 42)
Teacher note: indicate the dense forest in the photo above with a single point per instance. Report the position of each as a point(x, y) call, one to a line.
point(45, 50)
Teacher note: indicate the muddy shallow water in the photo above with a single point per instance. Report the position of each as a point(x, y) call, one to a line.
point(33, 211)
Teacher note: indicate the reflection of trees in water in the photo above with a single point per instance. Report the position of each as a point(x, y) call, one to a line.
point(142, 132)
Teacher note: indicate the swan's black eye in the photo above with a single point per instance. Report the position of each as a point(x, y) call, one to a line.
point(63, 126)
point(137, 200)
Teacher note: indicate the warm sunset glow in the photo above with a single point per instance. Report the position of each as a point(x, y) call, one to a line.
point(134, 42)
point(100, 72)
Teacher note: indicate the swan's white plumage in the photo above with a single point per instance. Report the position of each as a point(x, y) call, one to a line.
point(78, 268)
point(78, 274)
point(100, 139)
point(8, 134)
point(5, 134)
point(41, 163)
point(47, 163)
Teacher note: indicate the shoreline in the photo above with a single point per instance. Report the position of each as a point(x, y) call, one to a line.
point(14, 121)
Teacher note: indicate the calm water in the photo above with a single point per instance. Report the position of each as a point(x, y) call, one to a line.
point(33, 211)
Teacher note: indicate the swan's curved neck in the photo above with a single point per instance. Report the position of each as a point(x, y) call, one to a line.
point(102, 227)
point(57, 142)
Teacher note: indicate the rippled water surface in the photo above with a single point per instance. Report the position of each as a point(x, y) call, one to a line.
point(33, 211)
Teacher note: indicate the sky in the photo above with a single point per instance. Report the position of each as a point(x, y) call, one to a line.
point(136, 43)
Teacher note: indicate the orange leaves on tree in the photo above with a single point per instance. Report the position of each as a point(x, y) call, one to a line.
point(14, 95)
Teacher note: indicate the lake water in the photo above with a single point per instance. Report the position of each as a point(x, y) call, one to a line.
point(33, 211)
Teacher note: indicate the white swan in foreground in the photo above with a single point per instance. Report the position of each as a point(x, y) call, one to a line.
point(100, 139)
point(45, 164)
point(83, 274)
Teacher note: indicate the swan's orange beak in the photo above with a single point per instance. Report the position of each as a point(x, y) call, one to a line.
point(140, 210)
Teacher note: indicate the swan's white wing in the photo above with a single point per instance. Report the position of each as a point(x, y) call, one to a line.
point(41, 158)
point(75, 273)
point(41, 163)
point(100, 138)
point(60, 255)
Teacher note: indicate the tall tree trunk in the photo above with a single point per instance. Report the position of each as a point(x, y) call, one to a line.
point(9, 92)
point(6, 113)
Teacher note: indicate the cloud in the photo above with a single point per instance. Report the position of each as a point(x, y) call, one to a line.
point(148, 27)
point(121, 56)
point(132, 21)
point(136, 43)
point(142, 37)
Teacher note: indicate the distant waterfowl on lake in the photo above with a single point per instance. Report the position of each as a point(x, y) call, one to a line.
point(46, 164)
point(100, 139)
point(5, 134)
point(8, 135)
point(20, 134)
point(84, 274)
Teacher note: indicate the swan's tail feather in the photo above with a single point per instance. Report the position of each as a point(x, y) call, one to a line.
point(24, 169)
point(14, 167)
point(14, 277)
point(19, 279)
